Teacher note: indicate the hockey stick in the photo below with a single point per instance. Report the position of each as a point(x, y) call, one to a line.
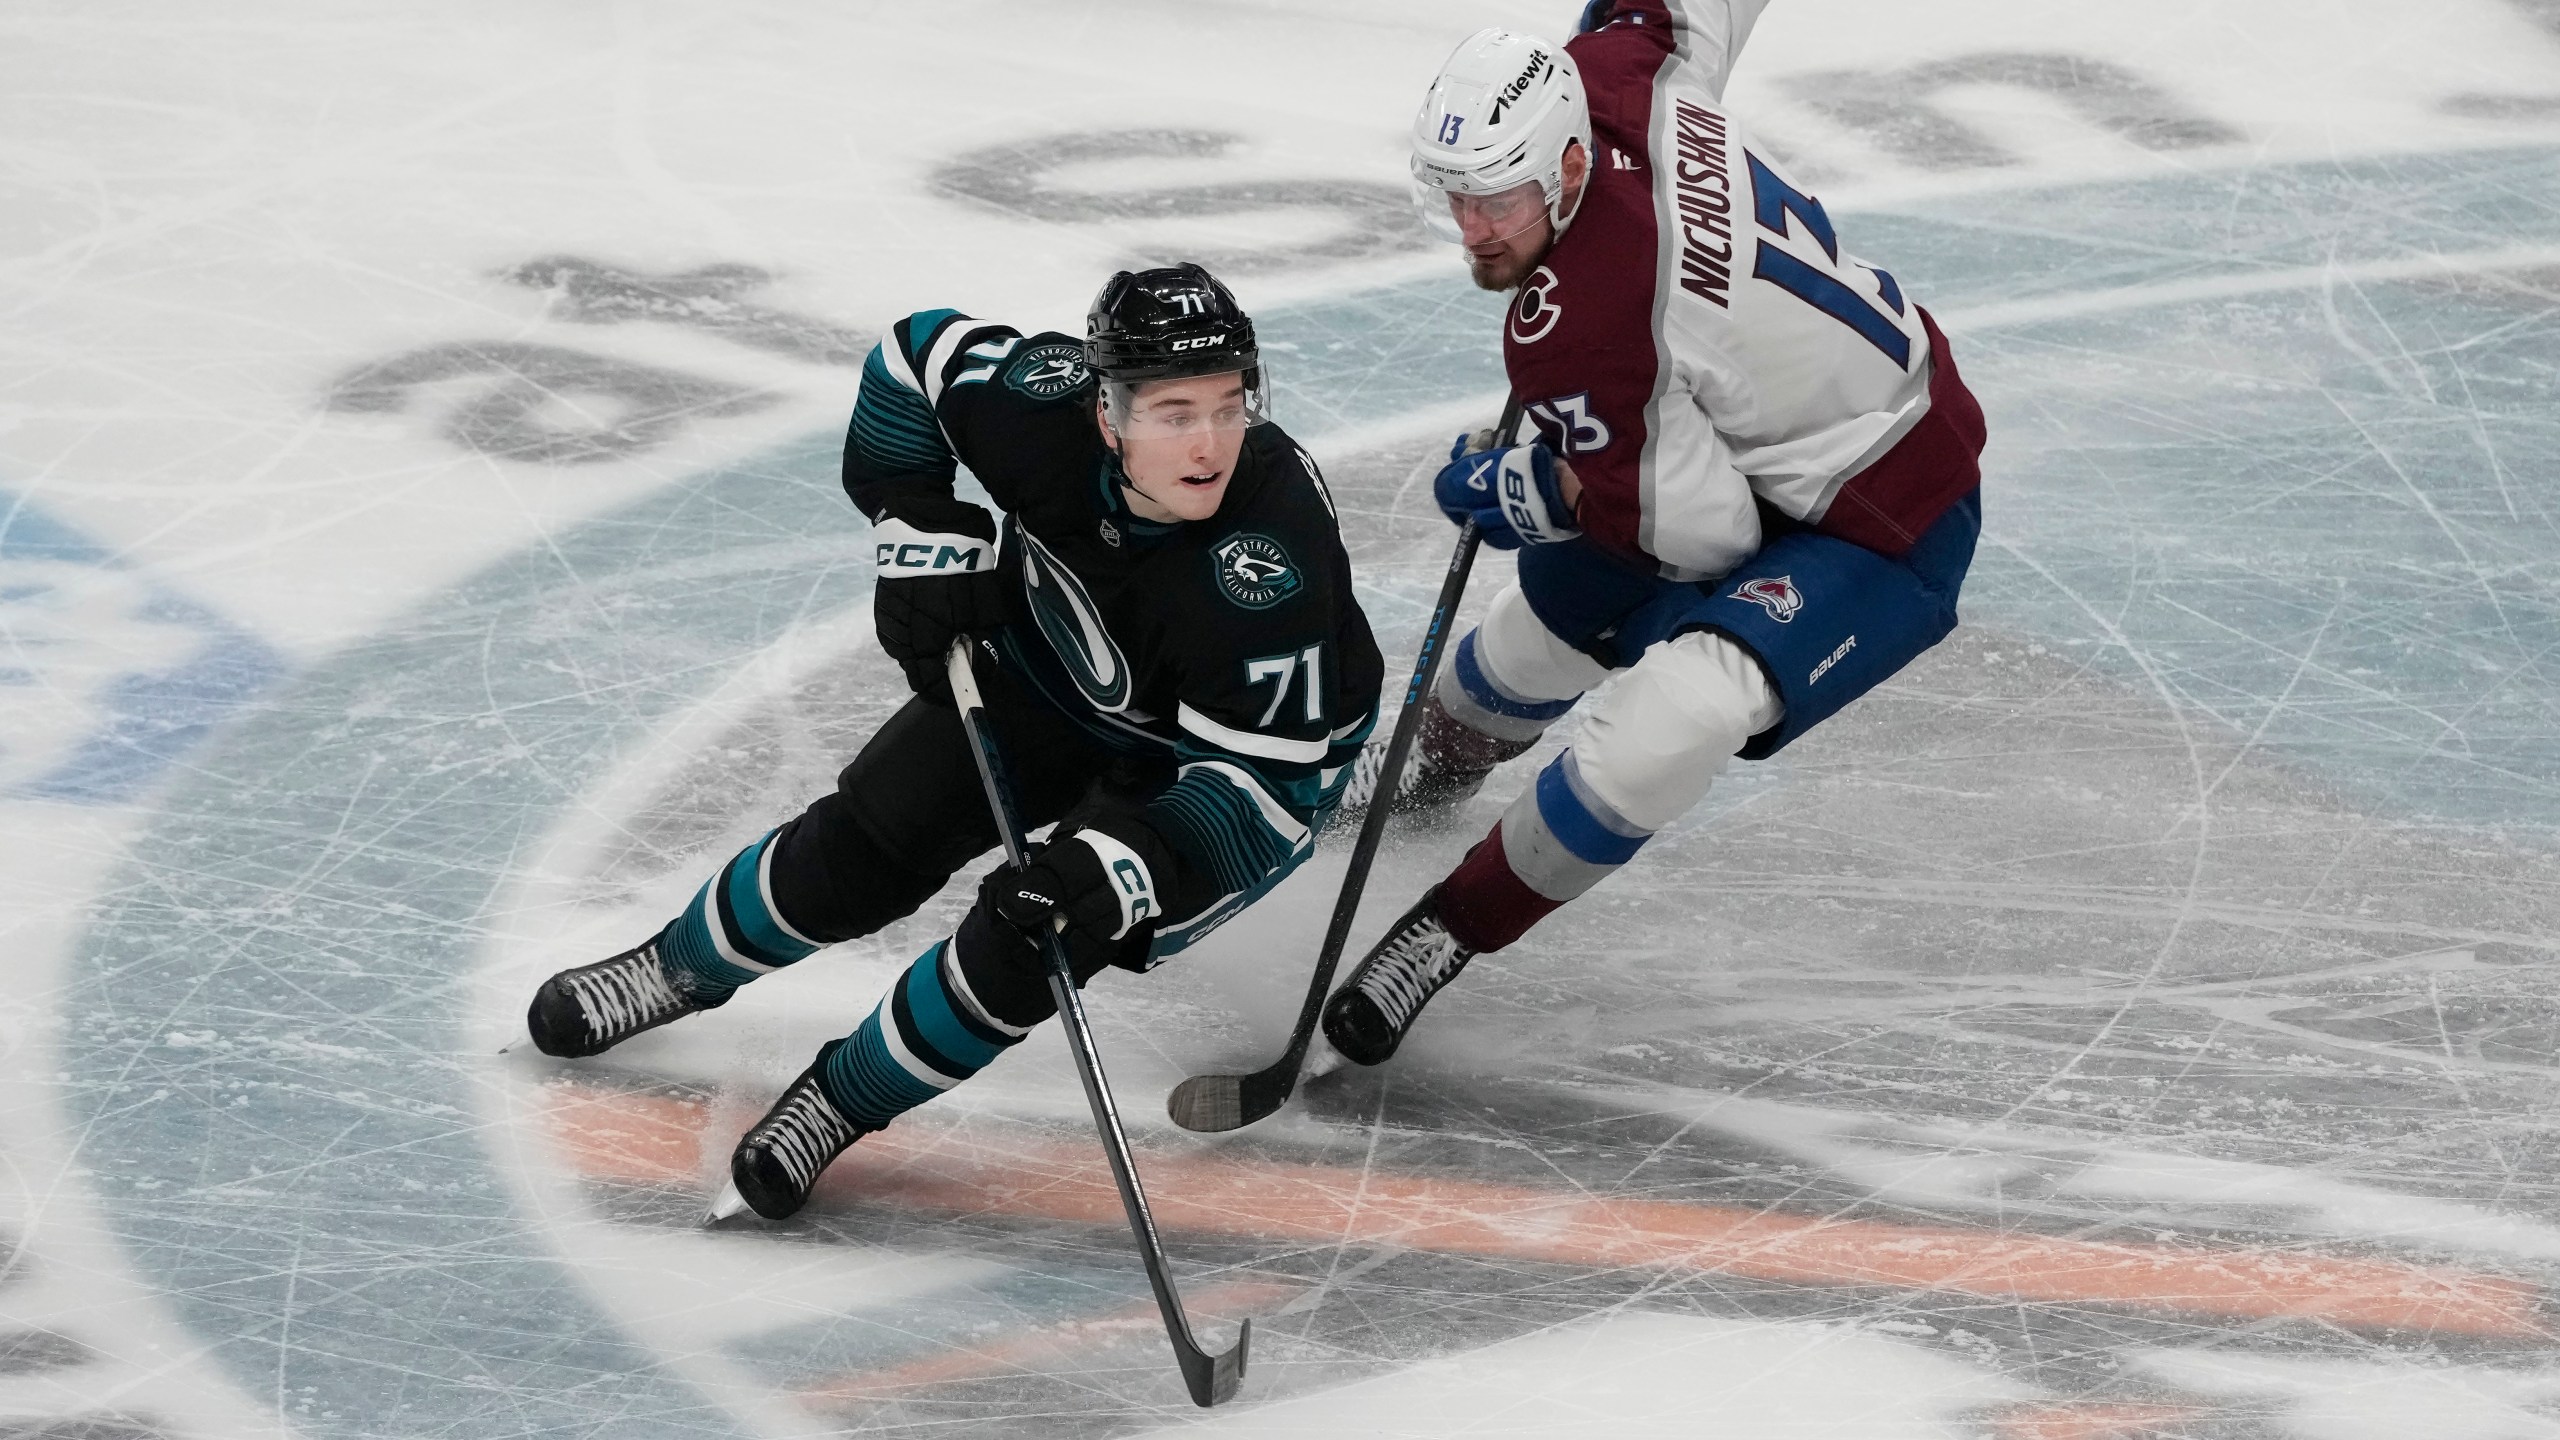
point(1228, 1102)
point(1212, 1378)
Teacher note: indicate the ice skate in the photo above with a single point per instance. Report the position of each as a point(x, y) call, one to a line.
point(591, 1009)
point(777, 1163)
point(1444, 770)
point(1368, 1017)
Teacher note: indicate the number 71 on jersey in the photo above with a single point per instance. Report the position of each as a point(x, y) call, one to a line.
point(1284, 669)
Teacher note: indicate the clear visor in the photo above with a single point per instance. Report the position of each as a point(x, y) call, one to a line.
point(1191, 405)
point(1463, 219)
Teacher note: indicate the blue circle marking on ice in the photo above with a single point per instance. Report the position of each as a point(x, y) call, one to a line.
point(262, 1034)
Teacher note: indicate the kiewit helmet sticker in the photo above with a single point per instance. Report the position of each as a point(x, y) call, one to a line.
point(1503, 111)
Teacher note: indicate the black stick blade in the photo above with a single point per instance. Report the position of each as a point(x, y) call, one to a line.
point(1213, 1378)
point(1211, 1103)
point(1208, 1103)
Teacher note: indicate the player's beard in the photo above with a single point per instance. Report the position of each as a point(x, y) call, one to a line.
point(1514, 264)
point(1500, 272)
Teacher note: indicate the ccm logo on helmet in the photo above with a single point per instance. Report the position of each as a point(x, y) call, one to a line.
point(1198, 342)
point(1539, 64)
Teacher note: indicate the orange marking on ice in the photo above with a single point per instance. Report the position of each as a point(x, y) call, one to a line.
point(610, 1135)
point(2098, 1421)
point(1050, 1348)
point(656, 1140)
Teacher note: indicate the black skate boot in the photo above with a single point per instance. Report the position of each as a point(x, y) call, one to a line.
point(1367, 1018)
point(1443, 771)
point(593, 1008)
point(777, 1163)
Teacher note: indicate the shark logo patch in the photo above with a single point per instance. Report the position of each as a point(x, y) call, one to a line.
point(1254, 571)
point(1045, 372)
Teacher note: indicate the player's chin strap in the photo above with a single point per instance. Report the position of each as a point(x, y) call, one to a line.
point(1119, 472)
point(1120, 477)
point(1211, 1378)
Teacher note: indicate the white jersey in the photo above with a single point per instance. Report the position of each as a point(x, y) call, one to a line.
point(1698, 343)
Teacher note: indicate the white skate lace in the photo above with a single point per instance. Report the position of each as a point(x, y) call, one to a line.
point(804, 1133)
point(1410, 969)
point(627, 995)
point(1364, 776)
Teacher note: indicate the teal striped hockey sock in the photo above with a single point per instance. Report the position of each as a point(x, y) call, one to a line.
point(732, 933)
point(926, 1035)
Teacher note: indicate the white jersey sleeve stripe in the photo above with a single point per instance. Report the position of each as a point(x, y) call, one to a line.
point(945, 345)
point(894, 359)
point(1249, 742)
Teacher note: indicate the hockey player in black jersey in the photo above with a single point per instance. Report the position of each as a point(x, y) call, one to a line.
point(1176, 668)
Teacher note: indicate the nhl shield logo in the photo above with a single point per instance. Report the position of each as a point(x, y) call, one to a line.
point(1778, 596)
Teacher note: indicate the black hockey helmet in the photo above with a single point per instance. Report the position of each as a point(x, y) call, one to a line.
point(1167, 323)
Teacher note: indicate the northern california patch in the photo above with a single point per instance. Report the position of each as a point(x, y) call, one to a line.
point(1254, 571)
point(1045, 372)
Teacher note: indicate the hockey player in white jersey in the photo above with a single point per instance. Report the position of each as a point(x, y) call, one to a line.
point(1753, 487)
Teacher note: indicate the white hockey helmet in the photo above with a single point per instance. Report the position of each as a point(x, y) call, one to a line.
point(1500, 115)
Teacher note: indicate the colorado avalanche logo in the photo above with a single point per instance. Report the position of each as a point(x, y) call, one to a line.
point(1536, 312)
point(1779, 596)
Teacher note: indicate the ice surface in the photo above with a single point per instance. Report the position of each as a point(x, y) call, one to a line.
point(423, 556)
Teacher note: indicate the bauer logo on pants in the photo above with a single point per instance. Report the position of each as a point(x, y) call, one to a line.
point(1778, 596)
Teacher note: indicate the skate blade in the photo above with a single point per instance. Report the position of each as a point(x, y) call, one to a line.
point(727, 1206)
point(1323, 1059)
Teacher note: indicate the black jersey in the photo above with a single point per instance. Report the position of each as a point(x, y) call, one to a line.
point(1232, 647)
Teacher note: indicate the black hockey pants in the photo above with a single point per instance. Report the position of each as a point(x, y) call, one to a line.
point(909, 812)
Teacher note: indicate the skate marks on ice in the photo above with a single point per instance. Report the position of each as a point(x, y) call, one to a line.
point(2009, 889)
point(51, 1372)
point(2051, 891)
point(107, 676)
point(995, 1169)
point(265, 1042)
point(1767, 1198)
point(1398, 1254)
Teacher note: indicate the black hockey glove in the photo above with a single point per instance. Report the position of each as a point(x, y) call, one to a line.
point(1100, 885)
point(938, 580)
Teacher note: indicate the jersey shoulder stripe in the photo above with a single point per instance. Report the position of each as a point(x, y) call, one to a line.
point(894, 429)
point(937, 349)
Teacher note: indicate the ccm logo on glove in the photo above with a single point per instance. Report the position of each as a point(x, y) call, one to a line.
point(1098, 884)
point(902, 548)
